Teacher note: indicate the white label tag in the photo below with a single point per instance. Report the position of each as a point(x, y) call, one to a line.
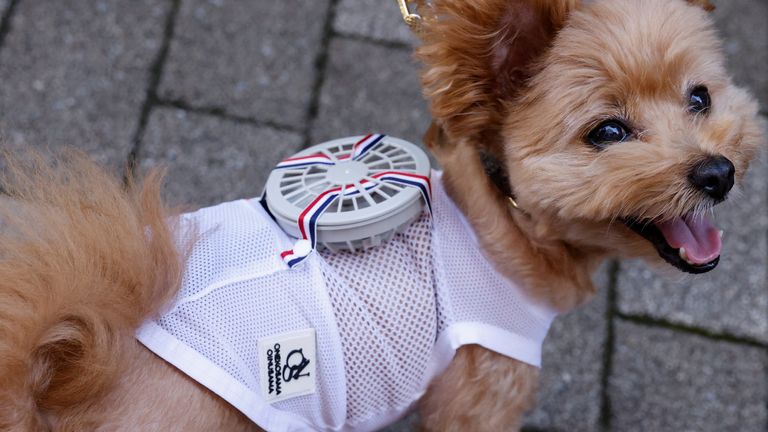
point(287, 365)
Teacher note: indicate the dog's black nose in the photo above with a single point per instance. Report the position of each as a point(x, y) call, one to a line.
point(713, 176)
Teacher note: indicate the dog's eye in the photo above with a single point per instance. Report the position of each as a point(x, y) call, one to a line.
point(608, 132)
point(699, 100)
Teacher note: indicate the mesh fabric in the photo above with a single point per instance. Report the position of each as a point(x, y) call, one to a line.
point(386, 319)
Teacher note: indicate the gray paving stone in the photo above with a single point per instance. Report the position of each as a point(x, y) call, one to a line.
point(251, 58)
point(381, 93)
point(376, 19)
point(408, 424)
point(743, 25)
point(212, 160)
point(75, 73)
point(669, 381)
point(733, 298)
point(570, 389)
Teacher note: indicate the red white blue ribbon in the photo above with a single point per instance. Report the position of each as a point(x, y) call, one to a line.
point(300, 162)
point(308, 217)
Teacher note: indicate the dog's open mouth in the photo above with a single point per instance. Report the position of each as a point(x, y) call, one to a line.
point(691, 243)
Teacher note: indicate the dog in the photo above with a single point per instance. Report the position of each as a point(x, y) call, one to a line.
point(569, 132)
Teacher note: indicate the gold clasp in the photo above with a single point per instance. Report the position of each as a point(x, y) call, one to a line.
point(412, 19)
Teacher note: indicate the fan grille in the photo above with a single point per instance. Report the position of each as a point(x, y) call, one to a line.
point(300, 186)
point(357, 221)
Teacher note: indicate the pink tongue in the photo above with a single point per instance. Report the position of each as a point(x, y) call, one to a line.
point(696, 234)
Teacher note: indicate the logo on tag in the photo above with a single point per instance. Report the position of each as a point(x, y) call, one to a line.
point(287, 365)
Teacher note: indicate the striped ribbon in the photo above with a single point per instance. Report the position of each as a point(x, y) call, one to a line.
point(308, 217)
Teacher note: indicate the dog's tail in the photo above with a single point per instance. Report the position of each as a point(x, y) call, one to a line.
point(83, 261)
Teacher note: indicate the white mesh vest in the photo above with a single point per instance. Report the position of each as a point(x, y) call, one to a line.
point(386, 321)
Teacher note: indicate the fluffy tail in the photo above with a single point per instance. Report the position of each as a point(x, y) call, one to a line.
point(83, 261)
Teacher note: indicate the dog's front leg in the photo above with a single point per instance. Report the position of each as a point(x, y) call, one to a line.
point(480, 391)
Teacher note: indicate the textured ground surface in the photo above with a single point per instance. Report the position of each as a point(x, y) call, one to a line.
point(219, 90)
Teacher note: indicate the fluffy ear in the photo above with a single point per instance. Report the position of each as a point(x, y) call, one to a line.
point(704, 4)
point(478, 54)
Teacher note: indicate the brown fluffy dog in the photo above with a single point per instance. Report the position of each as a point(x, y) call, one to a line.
point(610, 122)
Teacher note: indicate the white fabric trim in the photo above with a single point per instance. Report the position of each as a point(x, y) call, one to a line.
point(490, 337)
point(211, 376)
point(494, 339)
point(202, 370)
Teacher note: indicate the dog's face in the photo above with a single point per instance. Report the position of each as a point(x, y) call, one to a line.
point(634, 127)
point(627, 130)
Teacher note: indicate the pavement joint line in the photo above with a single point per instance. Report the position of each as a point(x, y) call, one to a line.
point(321, 63)
point(5, 21)
point(155, 74)
point(222, 113)
point(608, 349)
point(367, 39)
point(649, 321)
point(537, 429)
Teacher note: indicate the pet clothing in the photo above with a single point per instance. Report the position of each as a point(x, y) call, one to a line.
point(346, 341)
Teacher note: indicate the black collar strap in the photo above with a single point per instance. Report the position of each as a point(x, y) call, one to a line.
point(497, 172)
point(493, 167)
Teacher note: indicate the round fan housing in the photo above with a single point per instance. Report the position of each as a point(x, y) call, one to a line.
point(357, 222)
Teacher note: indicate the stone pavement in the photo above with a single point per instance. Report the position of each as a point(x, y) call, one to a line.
point(219, 90)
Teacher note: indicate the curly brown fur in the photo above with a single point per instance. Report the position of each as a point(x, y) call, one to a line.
point(78, 276)
point(526, 80)
point(585, 72)
point(83, 261)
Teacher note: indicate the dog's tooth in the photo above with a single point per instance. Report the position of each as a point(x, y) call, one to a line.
point(683, 255)
point(721, 233)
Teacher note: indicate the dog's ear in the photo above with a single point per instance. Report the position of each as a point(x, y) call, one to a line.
point(704, 4)
point(478, 54)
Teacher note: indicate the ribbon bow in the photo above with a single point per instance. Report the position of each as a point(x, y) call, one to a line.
point(308, 217)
